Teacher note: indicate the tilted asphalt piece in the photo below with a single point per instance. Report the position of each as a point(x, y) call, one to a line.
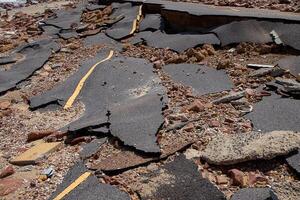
point(89, 189)
point(91, 148)
point(36, 55)
point(291, 63)
point(183, 182)
point(243, 31)
point(127, 25)
point(276, 113)
point(66, 19)
point(152, 22)
point(179, 42)
point(258, 32)
point(102, 39)
point(139, 37)
point(202, 79)
point(294, 162)
point(121, 84)
point(254, 194)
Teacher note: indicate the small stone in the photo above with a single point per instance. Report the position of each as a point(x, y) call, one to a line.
point(238, 177)
point(230, 97)
point(157, 64)
point(42, 177)
point(221, 180)
point(7, 171)
point(196, 106)
point(39, 135)
point(210, 49)
point(224, 64)
point(9, 185)
point(254, 178)
point(214, 123)
point(5, 104)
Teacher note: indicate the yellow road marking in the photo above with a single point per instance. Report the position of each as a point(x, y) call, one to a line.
point(77, 90)
point(134, 24)
point(71, 187)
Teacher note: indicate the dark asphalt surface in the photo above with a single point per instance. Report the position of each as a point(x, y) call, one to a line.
point(188, 183)
point(291, 63)
point(202, 79)
point(102, 39)
point(254, 194)
point(91, 148)
point(276, 113)
point(179, 42)
point(122, 86)
point(152, 22)
point(36, 55)
point(123, 27)
point(294, 162)
point(90, 189)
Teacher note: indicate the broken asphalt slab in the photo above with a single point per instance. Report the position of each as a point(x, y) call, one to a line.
point(275, 113)
point(233, 149)
point(254, 194)
point(128, 24)
point(291, 63)
point(294, 162)
point(152, 22)
point(179, 42)
point(89, 187)
point(179, 179)
point(102, 39)
point(36, 55)
point(90, 149)
point(202, 79)
point(120, 84)
point(66, 19)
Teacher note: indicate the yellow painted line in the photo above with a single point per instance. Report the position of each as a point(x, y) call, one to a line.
point(134, 24)
point(77, 90)
point(71, 187)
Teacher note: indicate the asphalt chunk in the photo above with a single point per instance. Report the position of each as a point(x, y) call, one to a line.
point(51, 31)
point(243, 31)
point(121, 86)
point(202, 79)
point(90, 188)
point(291, 63)
point(152, 22)
point(36, 55)
point(128, 24)
point(102, 39)
point(91, 148)
point(254, 194)
point(66, 19)
point(179, 179)
point(275, 113)
point(179, 42)
point(68, 35)
point(294, 162)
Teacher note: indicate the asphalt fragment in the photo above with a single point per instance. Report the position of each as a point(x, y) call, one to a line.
point(121, 84)
point(152, 22)
point(294, 162)
point(179, 42)
point(202, 79)
point(91, 148)
point(89, 189)
point(102, 39)
point(275, 113)
point(36, 55)
point(180, 180)
point(291, 63)
point(255, 194)
point(128, 24)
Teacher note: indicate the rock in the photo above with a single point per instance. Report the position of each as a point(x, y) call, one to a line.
point(254, 194)
point(7, 171)
point(214, 123)
point(157, 64)
point(275, 71)
point(39, 135)
point(9, 185)
point(210, 49)
point(253, 178)
point(230, 97)
point(177, 59)
point(5, 104)
point(238, 177)
point(294, 162)
point(232, 149)
point(221, 180)
point(196, 106)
